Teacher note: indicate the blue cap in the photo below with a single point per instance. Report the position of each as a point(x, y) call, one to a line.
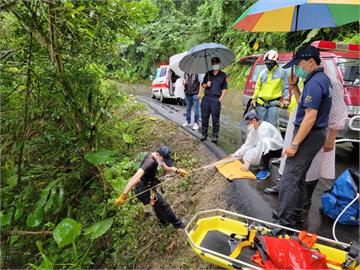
point(248, 116)
point(215, 60)
point(303, 53)
point(165, 152)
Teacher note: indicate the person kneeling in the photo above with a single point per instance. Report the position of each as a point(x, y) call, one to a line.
point(263, 142)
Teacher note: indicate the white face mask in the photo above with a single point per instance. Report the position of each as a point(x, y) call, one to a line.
point(215, 67)
point(250, 127)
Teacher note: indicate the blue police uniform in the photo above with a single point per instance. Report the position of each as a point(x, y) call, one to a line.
point(316, 95)
point(210, 104)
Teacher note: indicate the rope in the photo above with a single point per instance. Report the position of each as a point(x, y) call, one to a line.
point(217, 163)
point(342, 212)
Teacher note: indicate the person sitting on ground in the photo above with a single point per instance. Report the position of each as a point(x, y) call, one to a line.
point(263, 142)
point(144, 181)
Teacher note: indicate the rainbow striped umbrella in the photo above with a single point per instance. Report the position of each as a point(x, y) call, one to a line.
point(294, 15)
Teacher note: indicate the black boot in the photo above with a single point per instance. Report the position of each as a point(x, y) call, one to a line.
point(274, 190)
point(179, 224)
point(203, 138)
point(214, 139)
point(298, 220)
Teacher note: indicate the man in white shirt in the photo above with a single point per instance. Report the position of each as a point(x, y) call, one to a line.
point(263, 142)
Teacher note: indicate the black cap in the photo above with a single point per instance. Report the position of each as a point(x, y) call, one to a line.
point(248, 117)
point(165, 152)
point(215, 60)
point(303, 53)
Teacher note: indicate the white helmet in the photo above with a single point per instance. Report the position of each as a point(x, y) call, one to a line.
point(271, 55)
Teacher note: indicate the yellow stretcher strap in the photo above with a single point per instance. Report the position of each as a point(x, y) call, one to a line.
point(238, 249)
point(232, 170)
point(236, 252)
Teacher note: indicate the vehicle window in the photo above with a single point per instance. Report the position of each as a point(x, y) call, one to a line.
point(350, 70)
point(160, 72)
point(256, 72)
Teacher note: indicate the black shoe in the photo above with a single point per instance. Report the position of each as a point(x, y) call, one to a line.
point(298, 220)
point(296, 226)
point(180, 224)
point(276, 162)
point(203, 138)
point(214, 139)
point(274, 190)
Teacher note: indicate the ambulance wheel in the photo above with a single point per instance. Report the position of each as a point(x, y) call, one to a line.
point(162, 99)
point(152, 96)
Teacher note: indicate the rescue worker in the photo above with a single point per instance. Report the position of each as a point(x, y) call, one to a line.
point(311, 121)
point(271, 89)
point(263, 142)
point(215, 85)
point(145, 178)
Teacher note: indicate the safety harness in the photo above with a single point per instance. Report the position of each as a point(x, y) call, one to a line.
point(266, 103)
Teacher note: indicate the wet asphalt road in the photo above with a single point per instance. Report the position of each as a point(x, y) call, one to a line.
point(247, 196)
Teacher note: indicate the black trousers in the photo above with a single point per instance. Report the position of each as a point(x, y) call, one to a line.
point(210, 106)
point(292, 193)
point(310, 187)
point(162, 209)
point(265, 159)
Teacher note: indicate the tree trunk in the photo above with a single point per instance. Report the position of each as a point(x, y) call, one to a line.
point(26, 109)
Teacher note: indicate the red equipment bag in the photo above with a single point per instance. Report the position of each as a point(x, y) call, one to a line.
point(281, 253)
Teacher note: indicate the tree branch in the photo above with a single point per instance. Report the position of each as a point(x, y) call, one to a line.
point(27, 233)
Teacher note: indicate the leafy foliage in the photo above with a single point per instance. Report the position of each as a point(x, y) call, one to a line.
point(66, 232)
point(70, 136)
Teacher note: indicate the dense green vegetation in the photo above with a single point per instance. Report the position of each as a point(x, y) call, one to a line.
point(70, 137)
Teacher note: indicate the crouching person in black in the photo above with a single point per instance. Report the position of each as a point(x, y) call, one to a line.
point(145, 179)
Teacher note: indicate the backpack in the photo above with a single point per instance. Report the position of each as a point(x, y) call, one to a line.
point(340, 195)
point(288, 253)
point(192, 85)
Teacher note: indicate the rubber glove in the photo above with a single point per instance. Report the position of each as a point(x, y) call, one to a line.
point(182, 172)
point(121, 200)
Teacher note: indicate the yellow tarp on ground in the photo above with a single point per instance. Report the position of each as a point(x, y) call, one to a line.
point(232, 170)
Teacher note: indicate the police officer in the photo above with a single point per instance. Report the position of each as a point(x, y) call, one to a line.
point(309, 133)
point(271, 89)
point(145, 178)
point(215, 85)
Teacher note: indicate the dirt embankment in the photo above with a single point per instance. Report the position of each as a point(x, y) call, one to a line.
point(165, 247)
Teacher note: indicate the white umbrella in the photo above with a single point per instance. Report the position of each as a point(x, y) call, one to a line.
point(174, 63)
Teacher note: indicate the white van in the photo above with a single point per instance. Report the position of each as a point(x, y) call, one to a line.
point(163, 86)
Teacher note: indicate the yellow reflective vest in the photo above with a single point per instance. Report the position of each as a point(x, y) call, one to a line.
point(271, 85)
point(293, 101)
